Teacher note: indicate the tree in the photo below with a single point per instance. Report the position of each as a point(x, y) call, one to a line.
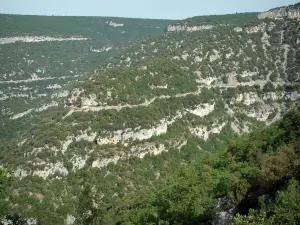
point(287, 206)
point(89, 213)
point(269, 87)
point(4, 186)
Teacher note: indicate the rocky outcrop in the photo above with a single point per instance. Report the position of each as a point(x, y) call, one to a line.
point(70, 219)
point(186, 27)
point(114, 24)
point(41, 109)
point(33, 39)
point(73, 96)
point(138, 134)
point(142, 134)
point(256, 29)
point(291, 12)
point(104, 49)
point(202, 110)
point(204, 132)
point(223, 214)
point(238, 29)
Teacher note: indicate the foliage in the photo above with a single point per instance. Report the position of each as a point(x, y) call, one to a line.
point(179, 73)
point(35, 74)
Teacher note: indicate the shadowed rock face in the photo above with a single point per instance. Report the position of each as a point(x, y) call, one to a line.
point(292, 12)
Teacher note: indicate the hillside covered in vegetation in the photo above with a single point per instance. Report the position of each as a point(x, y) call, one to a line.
point(254, 179)
point(184, 127)
point(43, 56)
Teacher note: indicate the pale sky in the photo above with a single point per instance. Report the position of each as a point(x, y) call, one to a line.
point(160, 9)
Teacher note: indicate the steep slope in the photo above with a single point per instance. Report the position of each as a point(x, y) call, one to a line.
point(41, 56)
point(257, 174)
point(177, 95)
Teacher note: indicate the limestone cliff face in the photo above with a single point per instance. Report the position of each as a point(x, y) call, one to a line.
point(186, 27)
point(291, 12)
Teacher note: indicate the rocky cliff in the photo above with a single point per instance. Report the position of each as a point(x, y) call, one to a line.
point(185, 27)
point(291, 12)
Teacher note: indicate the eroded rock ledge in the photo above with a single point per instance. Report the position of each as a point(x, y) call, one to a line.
point(186, 27)
point(291, 12)
point(30, 39)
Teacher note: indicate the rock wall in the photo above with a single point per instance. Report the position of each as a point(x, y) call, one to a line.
point(185, 27)
point(283, 12)
point(32, 39)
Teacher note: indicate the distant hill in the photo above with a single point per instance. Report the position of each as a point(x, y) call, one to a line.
point(42, 55)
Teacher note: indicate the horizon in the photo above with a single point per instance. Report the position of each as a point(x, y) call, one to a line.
point(12, 8)
point(123, 17)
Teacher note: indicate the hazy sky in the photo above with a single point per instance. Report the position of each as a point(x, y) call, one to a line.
point(173, 9)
